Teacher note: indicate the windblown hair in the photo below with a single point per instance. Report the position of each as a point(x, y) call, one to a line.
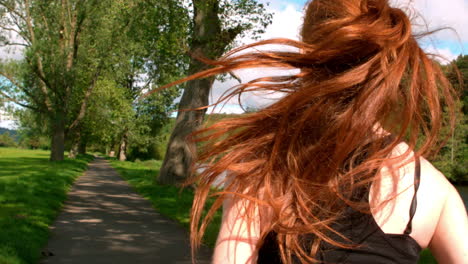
point(299, 160)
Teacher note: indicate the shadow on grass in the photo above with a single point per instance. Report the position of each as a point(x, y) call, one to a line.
point(32, 191)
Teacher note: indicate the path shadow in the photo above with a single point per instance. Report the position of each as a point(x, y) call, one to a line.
point(105, 221)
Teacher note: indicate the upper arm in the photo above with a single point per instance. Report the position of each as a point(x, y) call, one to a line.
point(237, 237)
point(449, 244)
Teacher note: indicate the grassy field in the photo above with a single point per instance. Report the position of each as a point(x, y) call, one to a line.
point(167, 200)
point(32, 191)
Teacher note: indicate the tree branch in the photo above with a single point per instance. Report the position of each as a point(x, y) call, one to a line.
point(40, 67)
point(84, 104)
point(10, 29)
point(80, 20)
point(22, 88)
point(11, 99)
point(11, 9)
point(230, 34)
point(15, 44)
point(10, 79)
point(44, 19)
point(235, 77)
point(75, 28)
point(14, 15)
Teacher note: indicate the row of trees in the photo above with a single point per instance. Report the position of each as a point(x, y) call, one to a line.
point(87, 62)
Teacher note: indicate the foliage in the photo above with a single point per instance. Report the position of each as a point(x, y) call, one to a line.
point(452, 159)
point(32, 191)
point(3, 130)
point(109, 110)
point(66, 46)
point(461, 64)
point(215, 26)
point(156, 146)
point(163, 27)
point(33, 131)
point(249, 15)
point(426, 257)
point(151, 53)
point(6, 140)
point(168, 200)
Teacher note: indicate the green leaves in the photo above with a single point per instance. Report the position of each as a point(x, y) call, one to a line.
point(248, 17)
point(452, 159)
point(89, 61)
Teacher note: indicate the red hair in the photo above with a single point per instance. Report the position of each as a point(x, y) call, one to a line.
point(360, 68)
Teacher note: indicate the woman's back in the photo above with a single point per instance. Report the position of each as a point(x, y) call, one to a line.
point(397, 231)
point(440, 222)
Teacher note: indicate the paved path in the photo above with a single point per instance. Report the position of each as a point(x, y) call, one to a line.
point(105, 221)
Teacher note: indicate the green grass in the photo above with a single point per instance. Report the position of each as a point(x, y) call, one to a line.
point(167, 200)
point(32, 191)
point(426, 257)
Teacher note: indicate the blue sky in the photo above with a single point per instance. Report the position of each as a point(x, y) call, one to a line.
point(299, 3)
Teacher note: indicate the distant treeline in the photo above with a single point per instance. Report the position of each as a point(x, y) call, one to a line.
point(12, 133)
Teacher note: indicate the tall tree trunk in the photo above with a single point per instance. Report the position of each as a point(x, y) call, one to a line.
point(58, 137)
point(75, 143)
point(111, 151)
point(73, 150)
point(82, 146)
point(180, 152)
point(210, 41)
point(123, 147)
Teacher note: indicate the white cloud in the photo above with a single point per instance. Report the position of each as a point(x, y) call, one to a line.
point(440, 14)
point(286, 24)
point(442, 55)
point(226, 109)
point(9, 124)
point(11, 53)
point(6, 120)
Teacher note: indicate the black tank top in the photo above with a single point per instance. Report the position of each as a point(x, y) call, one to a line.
point(376, 247)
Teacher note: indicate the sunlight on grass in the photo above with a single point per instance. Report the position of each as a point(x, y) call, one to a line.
point(32, 191)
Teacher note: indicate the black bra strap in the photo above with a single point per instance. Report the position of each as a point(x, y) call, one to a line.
point(414, 202)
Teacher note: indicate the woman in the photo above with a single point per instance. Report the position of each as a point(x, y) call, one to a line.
point(334, 172)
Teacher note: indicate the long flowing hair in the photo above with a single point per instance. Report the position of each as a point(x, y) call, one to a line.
point(299, 160)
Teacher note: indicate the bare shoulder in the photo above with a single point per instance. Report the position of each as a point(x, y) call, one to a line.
point(441, 221)
point(434, 180)
point(432, 194)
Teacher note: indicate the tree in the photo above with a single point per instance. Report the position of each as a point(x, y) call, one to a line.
point(109, 110)
point(6, 140)
point(462, 64)
point(453, 157)
point(33, 132)
point(215, 26)
point(65, 46)
point(153, 54)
